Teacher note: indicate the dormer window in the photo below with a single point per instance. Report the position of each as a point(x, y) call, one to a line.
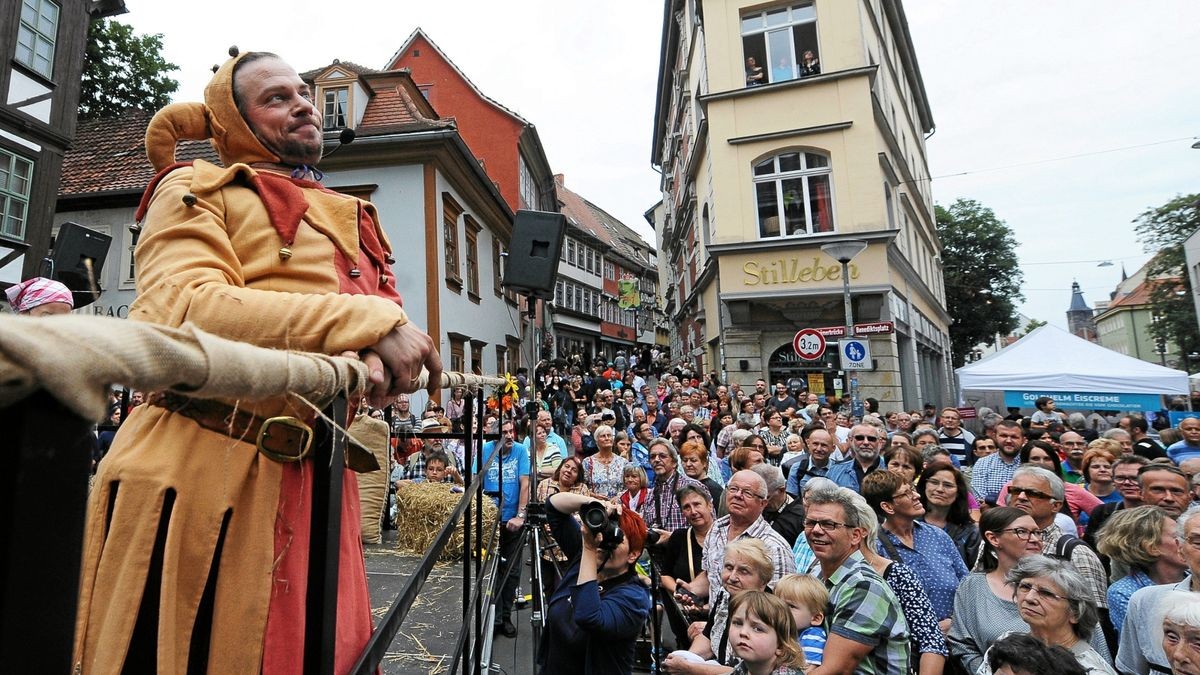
point(337, 107)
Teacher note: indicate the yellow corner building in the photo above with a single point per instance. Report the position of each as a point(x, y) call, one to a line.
point(780, 128)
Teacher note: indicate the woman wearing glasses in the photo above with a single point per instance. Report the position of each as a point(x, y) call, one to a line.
point(1052, 599)
point(943, 491)
point(983, 604)
point(926, 549)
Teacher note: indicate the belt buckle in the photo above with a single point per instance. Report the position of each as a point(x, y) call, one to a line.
point(281, 444)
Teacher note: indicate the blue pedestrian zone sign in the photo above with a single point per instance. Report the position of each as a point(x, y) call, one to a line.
point(856, 355)
point(1086, 400)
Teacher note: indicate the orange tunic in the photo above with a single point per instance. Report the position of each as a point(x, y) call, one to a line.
point(196, 545)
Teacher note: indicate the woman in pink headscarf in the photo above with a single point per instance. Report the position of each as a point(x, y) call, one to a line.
point(40, 296)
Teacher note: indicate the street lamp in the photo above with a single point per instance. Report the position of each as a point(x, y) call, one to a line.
point(844, 252)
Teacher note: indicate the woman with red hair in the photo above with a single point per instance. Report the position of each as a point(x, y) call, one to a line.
point(590, 632)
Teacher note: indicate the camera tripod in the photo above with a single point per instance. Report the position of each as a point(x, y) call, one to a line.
point(531, 535)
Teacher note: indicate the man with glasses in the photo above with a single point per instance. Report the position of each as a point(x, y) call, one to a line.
point(643, 433)
point(1074, 446)
point(1039, 493)
point(868, 634)
point(1125, 476)
point(746, 498)
point(953, 437)
point(993, 472)
point(1141, 636)
point(865, 444)
point(661, 511)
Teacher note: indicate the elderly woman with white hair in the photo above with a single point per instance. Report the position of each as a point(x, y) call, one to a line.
point(604, 472)
point(1053, 599)
point(1181, 632)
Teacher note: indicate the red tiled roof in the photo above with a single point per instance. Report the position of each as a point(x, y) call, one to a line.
point(387, 107)
point(593, 220)
point(1140, 295)
point(109, 155)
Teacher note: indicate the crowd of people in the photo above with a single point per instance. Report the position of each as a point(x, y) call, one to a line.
point(898, 541)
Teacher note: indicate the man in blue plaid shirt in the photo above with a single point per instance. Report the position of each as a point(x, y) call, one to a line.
point(993, 472)
point(867, 631)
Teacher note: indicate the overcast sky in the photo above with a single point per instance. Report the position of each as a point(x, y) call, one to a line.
point(1013, 83)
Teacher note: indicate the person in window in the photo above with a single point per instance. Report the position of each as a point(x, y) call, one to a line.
point(809, 65)
point(782, 70)
point(754, 73)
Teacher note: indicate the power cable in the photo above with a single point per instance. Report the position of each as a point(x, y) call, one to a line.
point(1051, 159)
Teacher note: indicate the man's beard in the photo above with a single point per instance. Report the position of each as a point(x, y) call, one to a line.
point(295, 152)
point(300, 152)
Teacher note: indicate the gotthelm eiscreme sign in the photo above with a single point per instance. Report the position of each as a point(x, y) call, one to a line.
point(1085, 400)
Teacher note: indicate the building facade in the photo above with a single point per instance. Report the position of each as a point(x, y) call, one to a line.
point(598, 254)
point(780, 128)
point(42, 43)
point(1125, 322)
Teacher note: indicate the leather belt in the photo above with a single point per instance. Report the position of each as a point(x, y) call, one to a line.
point(282, 439)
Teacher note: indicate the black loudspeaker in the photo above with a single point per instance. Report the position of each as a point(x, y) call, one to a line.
point(532, 263)
point(78, 258)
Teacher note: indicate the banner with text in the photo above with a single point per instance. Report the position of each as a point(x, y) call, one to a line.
point(1081, 400)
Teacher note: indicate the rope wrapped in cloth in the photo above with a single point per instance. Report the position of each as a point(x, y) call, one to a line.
point(78, 358)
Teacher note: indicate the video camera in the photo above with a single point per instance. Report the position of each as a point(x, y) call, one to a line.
point(606, 527)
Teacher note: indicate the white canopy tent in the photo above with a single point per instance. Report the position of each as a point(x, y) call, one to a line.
point(1050, 358)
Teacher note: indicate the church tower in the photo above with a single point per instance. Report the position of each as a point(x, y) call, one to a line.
point(1080, 318)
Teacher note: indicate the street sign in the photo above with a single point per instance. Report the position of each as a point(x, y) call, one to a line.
point(860, 329)
point(809, 344)
point(874, 328)
point(856, 354)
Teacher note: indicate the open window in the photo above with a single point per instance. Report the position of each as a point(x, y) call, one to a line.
point(780, 44)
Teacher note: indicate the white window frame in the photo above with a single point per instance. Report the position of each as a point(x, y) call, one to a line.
point(805, 173)
point(331, 98)
point(766, 30)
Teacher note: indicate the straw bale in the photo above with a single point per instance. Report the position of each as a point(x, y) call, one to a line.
point(372, 486)
point(423, 509)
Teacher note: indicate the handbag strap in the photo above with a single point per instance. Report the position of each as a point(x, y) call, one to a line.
point(691, 564)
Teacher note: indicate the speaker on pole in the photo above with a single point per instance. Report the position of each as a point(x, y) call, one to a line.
point(78, 259)
point(531, 266)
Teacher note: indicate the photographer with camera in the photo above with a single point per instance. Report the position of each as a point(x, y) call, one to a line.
point(595, 615)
